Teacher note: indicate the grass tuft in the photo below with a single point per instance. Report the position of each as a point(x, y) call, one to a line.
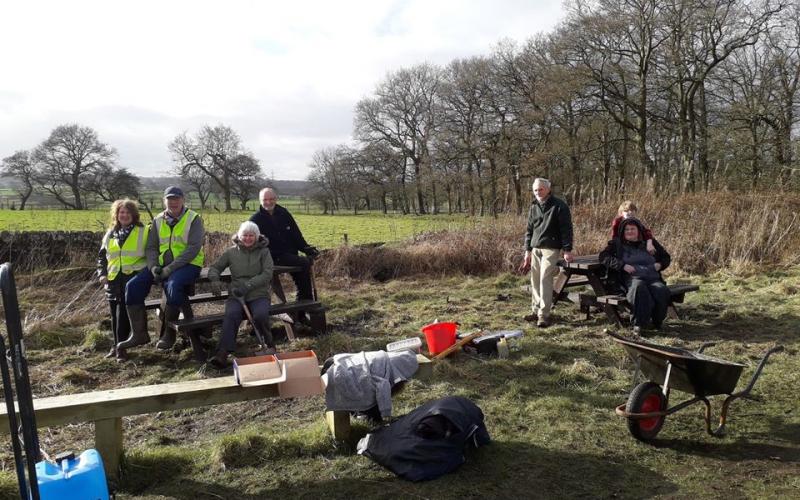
point(257, 446)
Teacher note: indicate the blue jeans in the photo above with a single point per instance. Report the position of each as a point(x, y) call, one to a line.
point(234, 314)
point(174, 286)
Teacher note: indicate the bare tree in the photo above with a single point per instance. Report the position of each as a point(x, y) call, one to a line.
point(198, 180)
point(111, 183)
point(212, 151)
point(20, 167)
point(703, 34)
point(402, 115)
point(66, 161)
point(246, 178)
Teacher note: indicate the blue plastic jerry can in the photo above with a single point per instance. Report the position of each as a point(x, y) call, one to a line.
point(70, 478)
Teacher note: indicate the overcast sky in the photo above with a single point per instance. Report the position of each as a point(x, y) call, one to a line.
point(285, 75)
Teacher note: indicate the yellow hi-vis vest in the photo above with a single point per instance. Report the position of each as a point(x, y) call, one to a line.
point(128, 258)
point(174, 238)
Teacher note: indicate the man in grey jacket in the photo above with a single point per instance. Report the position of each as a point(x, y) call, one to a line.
point(174, 252)
point(549, 234)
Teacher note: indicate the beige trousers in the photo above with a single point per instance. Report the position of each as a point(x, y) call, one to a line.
point(544, 268)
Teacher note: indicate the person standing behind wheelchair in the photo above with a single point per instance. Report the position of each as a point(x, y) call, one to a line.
point(121, 256)
point(174, 254)
point(285, 240)
point(251, 274)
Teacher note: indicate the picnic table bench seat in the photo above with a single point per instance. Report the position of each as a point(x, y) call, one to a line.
point(677, 294)
point(315, 309)
point(197, 298)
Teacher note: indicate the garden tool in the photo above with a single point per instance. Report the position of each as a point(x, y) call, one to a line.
point(265, 348)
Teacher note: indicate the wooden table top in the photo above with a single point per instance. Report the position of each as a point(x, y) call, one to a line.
point(584, 262)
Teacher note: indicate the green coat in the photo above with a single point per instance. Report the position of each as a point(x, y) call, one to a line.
point(251, 268)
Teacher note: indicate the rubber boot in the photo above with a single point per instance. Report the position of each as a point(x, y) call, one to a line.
point(137, 315)
point(165, 343)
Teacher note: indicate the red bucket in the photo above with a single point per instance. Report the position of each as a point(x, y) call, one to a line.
point(440, 336)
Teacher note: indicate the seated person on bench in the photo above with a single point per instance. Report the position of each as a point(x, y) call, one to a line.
point(285, 240)
point(251, 273)
point(174, 253)
point(638, 274)
point(121, 256)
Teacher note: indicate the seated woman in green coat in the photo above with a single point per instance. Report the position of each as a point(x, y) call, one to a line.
point(251, 274)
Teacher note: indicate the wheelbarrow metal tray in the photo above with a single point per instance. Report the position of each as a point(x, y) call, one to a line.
point(691, 372)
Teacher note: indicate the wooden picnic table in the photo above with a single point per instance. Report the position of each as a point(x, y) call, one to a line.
point(190, 322)
point(587, 270)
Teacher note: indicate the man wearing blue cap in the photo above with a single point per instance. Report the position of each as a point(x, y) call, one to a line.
point(174, 254)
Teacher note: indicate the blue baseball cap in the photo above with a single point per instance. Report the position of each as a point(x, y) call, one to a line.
point(173, 192)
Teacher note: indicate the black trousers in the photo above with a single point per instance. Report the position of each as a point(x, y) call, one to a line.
point(302, 278)
point(649, 302)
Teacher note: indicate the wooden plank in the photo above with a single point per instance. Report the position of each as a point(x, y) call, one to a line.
point(92, 406)
point(461, 343)
point(108, 441)
point(339, 424)
point(214, 319)
point(612, 299)
point(424, 368)
point(682, 288)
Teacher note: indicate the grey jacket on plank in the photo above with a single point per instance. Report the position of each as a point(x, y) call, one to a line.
point(357, 382)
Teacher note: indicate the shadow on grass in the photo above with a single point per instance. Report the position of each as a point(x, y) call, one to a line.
point(755, 327)
point(734, 452)
point(500, 470)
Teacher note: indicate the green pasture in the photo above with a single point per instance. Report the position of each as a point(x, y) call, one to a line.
point(324, 231)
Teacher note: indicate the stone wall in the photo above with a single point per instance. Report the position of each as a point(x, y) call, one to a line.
point(36, 250)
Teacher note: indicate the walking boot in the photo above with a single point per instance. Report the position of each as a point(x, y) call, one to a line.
point(137, 315)
point(219, 360)
point(165, 343)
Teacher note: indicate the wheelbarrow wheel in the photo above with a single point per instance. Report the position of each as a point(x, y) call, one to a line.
point(645, 398)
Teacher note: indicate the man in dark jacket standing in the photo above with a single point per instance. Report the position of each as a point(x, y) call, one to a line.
point(549, 234)
point(285, 240)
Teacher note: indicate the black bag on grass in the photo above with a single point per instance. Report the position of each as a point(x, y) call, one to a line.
point(429, 441)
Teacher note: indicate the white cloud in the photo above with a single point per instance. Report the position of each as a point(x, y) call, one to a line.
point(285, 75)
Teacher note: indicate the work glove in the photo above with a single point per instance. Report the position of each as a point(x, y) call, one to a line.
point(157, 270)
point(312, 252)
point(216, 287)
point(166, 271)
point(239, 292)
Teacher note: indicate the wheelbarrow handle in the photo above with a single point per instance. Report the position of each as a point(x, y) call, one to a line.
point(757, 373)
point(705, 346)
point(743, 393)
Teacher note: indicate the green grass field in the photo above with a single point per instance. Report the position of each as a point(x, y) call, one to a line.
point(324, 231)
point(549, 407)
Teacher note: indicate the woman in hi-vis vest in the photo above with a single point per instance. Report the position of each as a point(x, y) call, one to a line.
point(121, 256)
point(174, 252)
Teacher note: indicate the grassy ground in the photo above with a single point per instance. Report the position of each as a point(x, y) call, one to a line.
point(549, 408)
point(324, 231)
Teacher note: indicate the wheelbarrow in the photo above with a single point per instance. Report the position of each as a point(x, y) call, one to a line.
point(670, 368)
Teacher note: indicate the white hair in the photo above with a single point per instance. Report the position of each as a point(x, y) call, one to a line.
point(248, 227)
point(264, 190)
point(542, 181)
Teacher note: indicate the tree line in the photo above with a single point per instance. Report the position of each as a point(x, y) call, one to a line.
point(74, 167)
point(678, 95)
